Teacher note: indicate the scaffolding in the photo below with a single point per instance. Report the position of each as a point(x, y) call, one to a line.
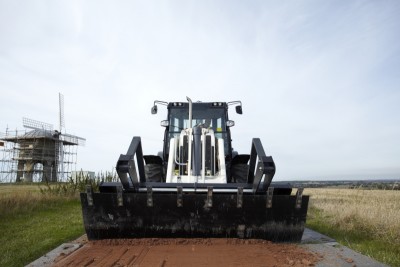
point(37, 155)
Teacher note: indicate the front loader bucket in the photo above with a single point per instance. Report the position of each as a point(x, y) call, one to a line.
point(207, 214)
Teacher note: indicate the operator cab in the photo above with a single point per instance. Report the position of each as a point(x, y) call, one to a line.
point(197, 117)
point(205, 115)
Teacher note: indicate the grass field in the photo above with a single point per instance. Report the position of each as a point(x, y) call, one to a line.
point(367, 221)
point(33, 223)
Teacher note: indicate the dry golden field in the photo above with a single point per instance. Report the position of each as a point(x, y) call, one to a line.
point(364, 220)
point(22, 198)
point(358, 209)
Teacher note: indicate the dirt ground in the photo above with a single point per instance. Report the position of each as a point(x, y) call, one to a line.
point(187, 252)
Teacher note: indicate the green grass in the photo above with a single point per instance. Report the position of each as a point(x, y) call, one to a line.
point(331, 213)
point(33, 223)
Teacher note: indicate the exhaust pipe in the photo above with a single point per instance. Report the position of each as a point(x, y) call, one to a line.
point(190, 111)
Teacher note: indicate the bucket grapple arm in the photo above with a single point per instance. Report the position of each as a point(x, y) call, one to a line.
point(265, 167)
point(126, 168)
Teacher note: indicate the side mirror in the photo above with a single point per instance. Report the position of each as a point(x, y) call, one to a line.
point(154, 110)
point(230, 123)
point(239, 110)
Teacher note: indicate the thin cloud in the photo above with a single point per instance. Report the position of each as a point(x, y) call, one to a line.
point(318, 80)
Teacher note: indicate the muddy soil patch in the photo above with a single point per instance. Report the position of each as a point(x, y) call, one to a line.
point(165, 252)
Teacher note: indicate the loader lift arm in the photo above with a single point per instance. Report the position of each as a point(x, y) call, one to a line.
point(126, 168)
point(260, 166)
point(265, 167)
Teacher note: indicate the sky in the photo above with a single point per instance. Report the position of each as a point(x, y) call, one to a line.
point(318, 80)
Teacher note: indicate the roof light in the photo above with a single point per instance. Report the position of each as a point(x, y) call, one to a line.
point(216, 104)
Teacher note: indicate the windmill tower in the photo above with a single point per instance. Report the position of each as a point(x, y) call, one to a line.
point(42, 152)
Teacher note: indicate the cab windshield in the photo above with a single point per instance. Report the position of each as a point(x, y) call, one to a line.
point(202, 115)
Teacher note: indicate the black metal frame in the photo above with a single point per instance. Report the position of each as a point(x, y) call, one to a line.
point(265, 166)
point(126, 168)
point(177, 214)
